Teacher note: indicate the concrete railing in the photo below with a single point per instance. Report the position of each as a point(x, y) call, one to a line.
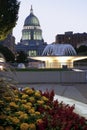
point(51, 77)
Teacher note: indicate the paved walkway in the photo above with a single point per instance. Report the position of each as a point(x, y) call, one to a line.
point(73, 91)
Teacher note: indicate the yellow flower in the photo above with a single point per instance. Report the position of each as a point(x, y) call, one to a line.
point(17, 99)
point(1, 102)
point(29, 103)
point(32, 127)
point(26, 88)
point(8, 98)
point(1, 128)
point(32, 99)
point(29, 91)
point(31, 111)
point(20, 112)
point(24, 126)
point(37, 113)
point(16, 91)
point(44, 98)
point(13, 104)
point(23, 116)
point(9, 117)
point(8, 109)
point(37, 94)
point(15, 120)
point(8, 128)
point(24, 96)
point(26, 106)
point(23, 101)
point(40, 102)
point(47, 107)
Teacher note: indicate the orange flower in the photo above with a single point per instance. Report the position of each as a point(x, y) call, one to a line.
point(39, 121)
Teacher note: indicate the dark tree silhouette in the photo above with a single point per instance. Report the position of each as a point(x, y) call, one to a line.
point(9, 56)
point(8, 16)
point(82, 50)
point(21, 57)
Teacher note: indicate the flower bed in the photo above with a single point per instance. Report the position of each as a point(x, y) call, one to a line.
point(31, 109)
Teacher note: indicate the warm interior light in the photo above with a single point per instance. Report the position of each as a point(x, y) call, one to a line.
point(1, 67)
point(59, 61)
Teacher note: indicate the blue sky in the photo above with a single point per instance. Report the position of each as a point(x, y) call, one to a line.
point(55, 17)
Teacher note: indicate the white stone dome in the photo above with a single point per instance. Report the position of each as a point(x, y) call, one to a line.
point(56, 49)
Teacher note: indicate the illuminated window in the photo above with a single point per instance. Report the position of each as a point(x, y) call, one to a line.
point(32, 53)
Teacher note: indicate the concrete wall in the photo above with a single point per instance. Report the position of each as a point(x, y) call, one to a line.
point(51, 77)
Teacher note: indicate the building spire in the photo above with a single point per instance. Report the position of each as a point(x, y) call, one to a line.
point(31, 10)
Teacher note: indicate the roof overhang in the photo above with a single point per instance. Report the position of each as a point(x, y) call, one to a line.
point(58, 58)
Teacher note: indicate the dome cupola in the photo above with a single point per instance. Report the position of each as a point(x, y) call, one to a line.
point(31, 20)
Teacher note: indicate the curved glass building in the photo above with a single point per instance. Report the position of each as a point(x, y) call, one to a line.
point(56, 49)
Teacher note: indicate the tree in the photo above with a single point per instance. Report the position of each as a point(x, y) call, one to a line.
point(9, 56)
point(21, 57)
point(8, 16)
point(82, 50)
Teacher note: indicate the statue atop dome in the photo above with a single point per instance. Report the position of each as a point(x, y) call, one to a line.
point(58, 48)
point(31, 10)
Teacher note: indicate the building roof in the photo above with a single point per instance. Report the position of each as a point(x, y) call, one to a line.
point(56, 49)
point(31, 20)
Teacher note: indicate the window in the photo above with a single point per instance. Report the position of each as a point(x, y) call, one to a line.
point(32, 53)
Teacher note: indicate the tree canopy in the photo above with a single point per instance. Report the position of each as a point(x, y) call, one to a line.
point(9, 56)
point(8, 16)
point(21, 57)
point(82, 50)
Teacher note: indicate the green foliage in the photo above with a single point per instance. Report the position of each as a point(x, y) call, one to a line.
point(9, 56)
point(21, 57)
point(8, 16)
point(82, 50)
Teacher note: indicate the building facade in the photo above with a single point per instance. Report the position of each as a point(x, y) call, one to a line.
point(32, 41)
point(75, 39)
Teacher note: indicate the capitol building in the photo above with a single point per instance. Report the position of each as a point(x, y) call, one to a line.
point(32, 41)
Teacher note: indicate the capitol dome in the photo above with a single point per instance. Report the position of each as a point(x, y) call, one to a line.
point(31, 29)
point(31, 20)
point(56, 49)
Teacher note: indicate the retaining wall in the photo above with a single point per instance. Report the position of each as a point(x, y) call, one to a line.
point(51, 77)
